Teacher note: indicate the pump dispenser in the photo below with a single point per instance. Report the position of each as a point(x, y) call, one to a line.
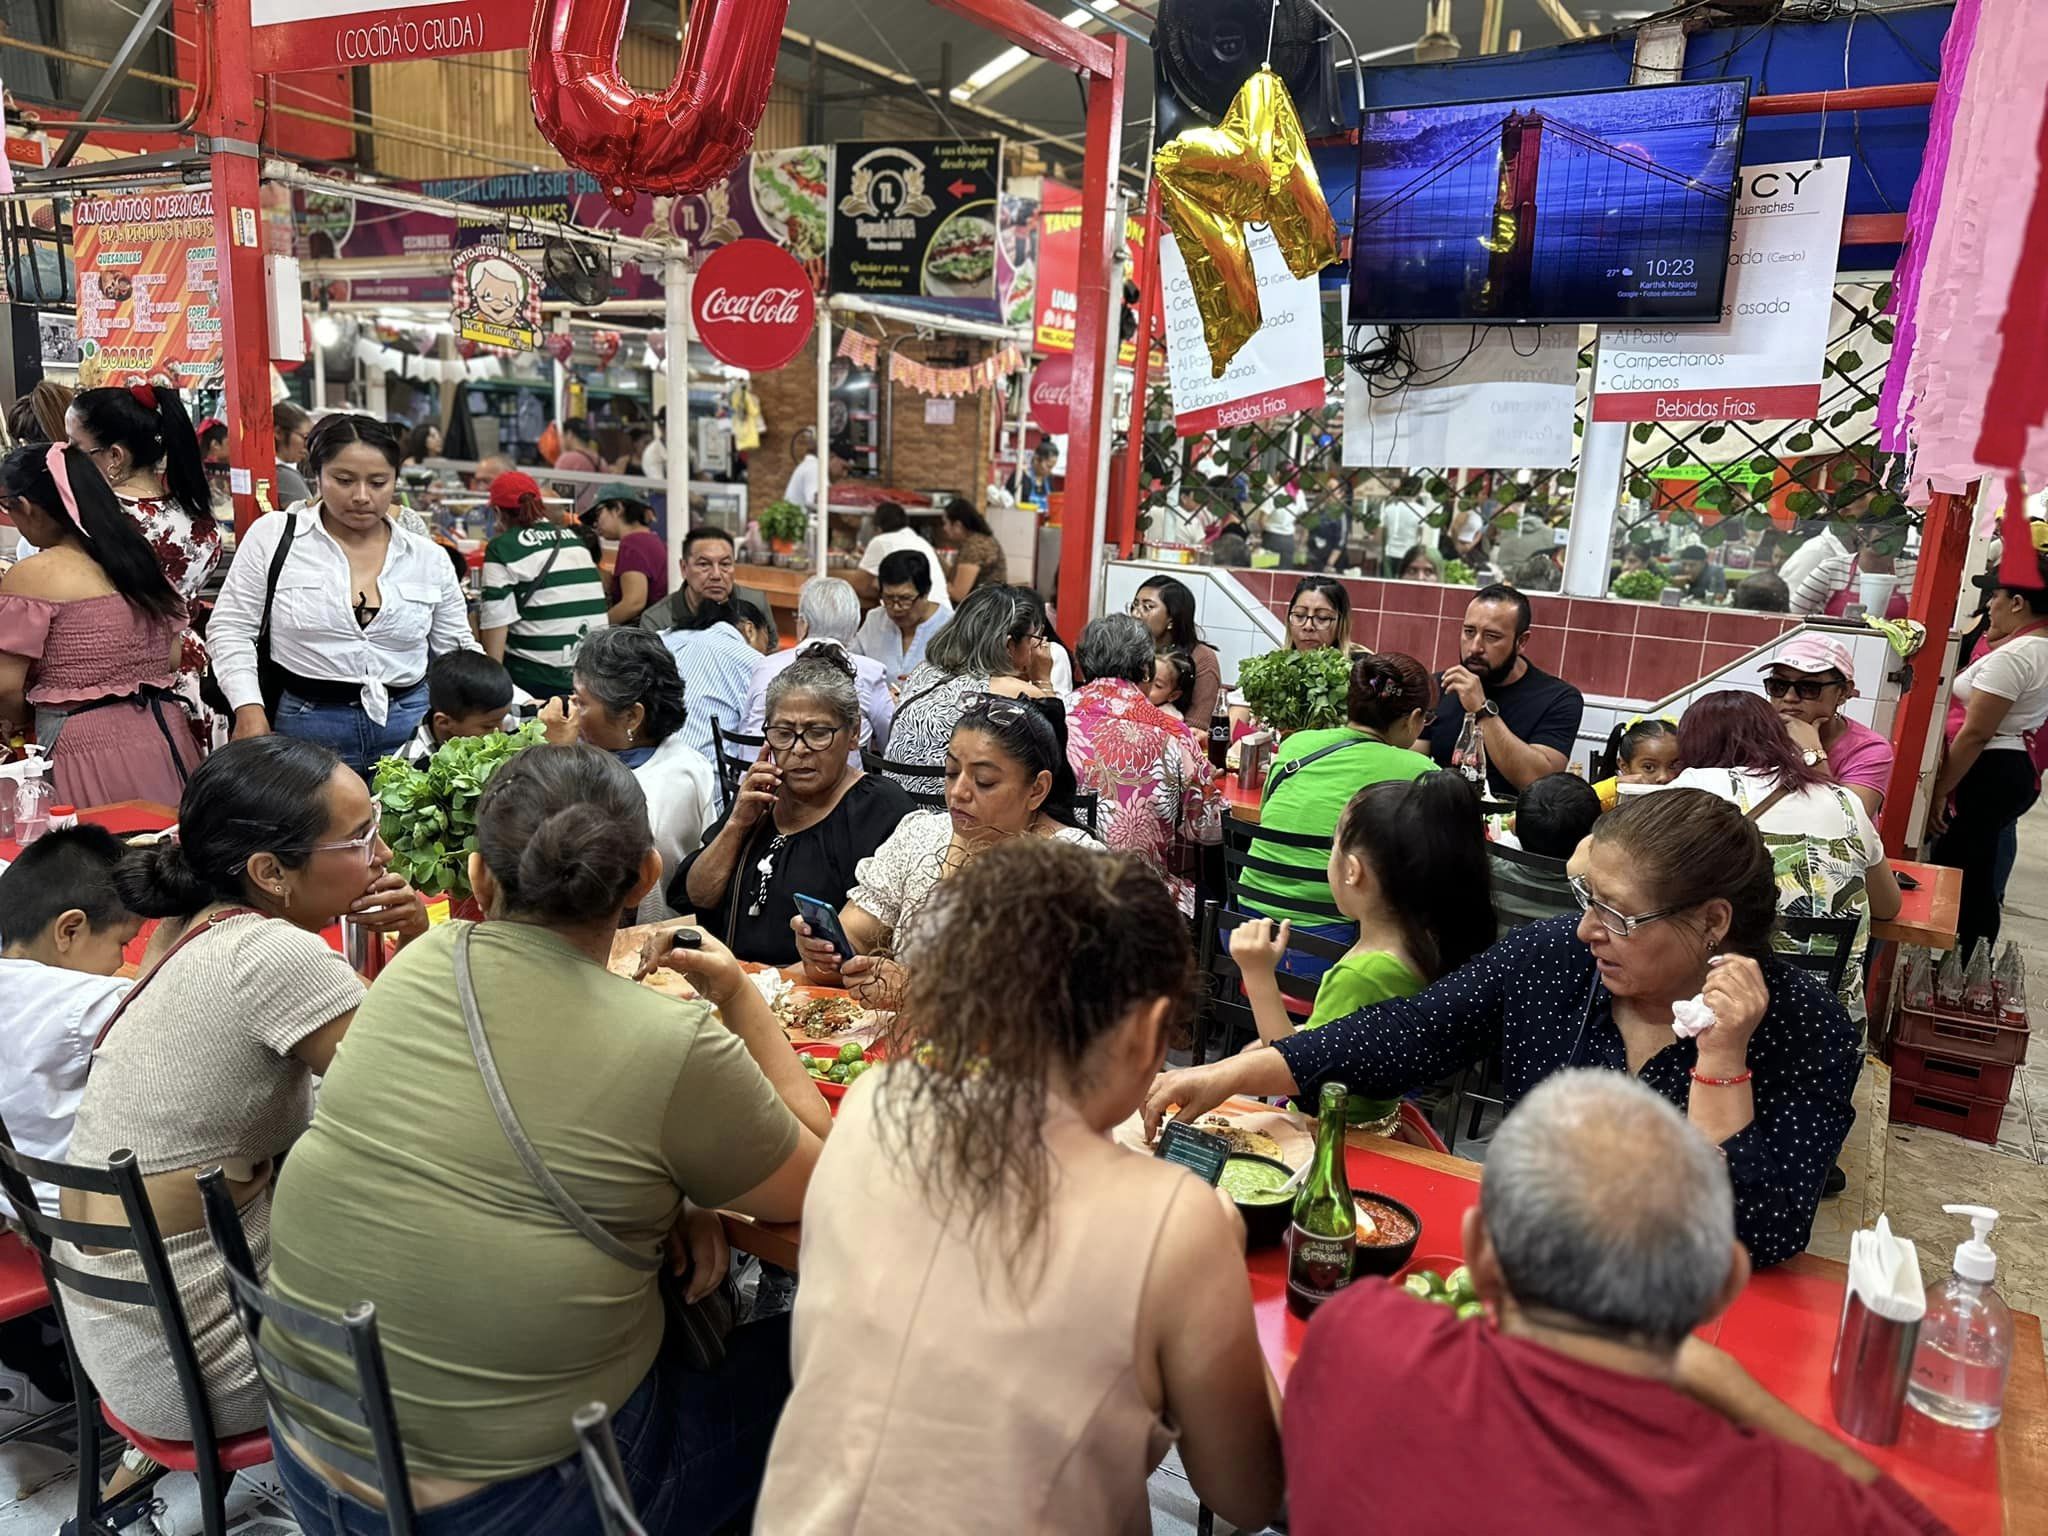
point(1965, 1350)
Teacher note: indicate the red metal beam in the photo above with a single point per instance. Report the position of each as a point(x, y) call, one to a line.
point(1094, 341)
point(1025, 26)
point(1944, 548)
point(1857, 98)
point(232, 122)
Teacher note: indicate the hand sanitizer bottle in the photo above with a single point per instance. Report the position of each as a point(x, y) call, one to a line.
point(1965, 1348)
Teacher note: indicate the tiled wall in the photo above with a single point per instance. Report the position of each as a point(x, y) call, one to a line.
point(1624, 657)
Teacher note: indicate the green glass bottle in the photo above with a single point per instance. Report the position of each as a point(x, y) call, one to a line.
point(1324, 1236)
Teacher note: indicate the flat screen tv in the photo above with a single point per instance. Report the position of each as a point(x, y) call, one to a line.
point(1592, 206)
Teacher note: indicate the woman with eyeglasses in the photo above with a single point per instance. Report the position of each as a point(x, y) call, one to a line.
point(1167, 608)
point(803, 820)
point(1830, 860)
point(1679, 901)
point(1318, 615)
point(211, 1057)
point(997, 642)
point(1006, 776)
point(90, 637)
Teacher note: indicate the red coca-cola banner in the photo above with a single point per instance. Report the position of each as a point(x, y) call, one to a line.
point(1052, 393)
point(752, 304)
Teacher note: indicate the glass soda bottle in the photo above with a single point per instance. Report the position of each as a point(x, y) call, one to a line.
point(1468, 757)
point(1978, 994)
point(2010, 982)
point(1919, 978)
point(1219, 736)
point(1948, 981)
point(1323, 1239)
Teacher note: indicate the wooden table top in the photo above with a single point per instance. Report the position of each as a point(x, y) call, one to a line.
point(1782, 1328)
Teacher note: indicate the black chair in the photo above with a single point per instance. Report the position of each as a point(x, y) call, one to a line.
point(1238, 837)
point(1087, 811)
point(913, 778)
point(1831, 963)
point(593, 1426)
point(1222, 1003)
point(736, 752)
point(353, 1337)
point(210, 1457)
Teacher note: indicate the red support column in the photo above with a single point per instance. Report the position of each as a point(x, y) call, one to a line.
point(231, 129)
point(1123, 526)
point(1094, 343)
point(1944, 547)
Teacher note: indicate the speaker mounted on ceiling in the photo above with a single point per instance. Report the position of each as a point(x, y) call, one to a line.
point(1204, 50)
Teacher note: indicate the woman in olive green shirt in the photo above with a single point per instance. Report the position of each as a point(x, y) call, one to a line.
point(499, 1318)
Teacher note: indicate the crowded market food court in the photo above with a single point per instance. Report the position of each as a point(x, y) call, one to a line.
point(997, 771)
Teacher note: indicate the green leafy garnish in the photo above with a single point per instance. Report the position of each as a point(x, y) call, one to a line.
point(430, 813)
point(1298, 690)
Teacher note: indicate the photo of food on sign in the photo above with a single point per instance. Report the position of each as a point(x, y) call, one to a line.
point(917, 220)
point(496, 298)
point(790, 188)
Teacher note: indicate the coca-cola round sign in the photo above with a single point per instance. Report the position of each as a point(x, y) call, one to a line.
point(1052, 393)
point(752, 305)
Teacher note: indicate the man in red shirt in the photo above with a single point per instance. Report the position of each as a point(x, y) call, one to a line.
point(1605, 1234)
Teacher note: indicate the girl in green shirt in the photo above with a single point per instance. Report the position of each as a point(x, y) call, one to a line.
point(1408, 865)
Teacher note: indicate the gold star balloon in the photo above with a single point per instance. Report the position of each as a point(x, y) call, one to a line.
point(1251, 168)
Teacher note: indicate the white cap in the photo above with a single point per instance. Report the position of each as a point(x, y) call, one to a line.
point(1974, 1259)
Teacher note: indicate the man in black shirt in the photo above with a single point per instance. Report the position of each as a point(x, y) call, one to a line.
point(1527, 718)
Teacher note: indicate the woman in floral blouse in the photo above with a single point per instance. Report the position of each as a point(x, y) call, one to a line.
point(1158, 793)
point(143, 442)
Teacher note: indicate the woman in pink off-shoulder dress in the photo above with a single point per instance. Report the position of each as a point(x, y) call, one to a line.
point(91, 632)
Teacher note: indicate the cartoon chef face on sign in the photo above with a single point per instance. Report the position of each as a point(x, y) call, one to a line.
point(497, 291)
point(497, 298)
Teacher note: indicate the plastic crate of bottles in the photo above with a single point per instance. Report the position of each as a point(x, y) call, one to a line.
point(1968, 1036)
point(1940, 1109)
point(1975, 1012)
point(1949, 1072)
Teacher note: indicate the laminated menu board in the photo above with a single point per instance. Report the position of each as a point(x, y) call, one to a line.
point(148, 293)
point(916, 219)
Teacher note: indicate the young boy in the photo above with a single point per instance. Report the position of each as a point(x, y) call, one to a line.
point(468, 694)
point(62, 930)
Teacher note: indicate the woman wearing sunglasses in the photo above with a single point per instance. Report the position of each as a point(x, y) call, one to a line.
point(91, 633)
point(1006, 776)
point(804, 819)
point(1809, 682)
point(1679, 900)
point(212, 1055)
point(1830, 860)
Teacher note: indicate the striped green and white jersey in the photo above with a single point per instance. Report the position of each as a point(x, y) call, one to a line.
point(542, 587)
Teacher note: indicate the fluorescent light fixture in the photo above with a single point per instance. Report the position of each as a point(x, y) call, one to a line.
point(1010, 59)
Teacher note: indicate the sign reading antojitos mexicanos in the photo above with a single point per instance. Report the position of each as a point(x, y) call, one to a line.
point(916, 219)
point(752, 305)
point(337, 34)
point(148, 288)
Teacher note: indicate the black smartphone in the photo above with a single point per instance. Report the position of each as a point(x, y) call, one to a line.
point(823, 922)
point(1906, 881)
point(1203, 1151)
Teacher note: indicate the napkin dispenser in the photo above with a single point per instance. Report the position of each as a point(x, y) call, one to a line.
point(1881, 1313)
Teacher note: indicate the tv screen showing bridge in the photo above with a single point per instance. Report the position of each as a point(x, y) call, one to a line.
point(1601, 205)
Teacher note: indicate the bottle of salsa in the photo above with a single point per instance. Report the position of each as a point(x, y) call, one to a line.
point(1323, 1238)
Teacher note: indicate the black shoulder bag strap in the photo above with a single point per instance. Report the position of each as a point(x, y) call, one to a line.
point(270, 676)
point(526, 589)
point(1287, 771)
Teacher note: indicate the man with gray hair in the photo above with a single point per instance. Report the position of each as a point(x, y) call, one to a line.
point(1604, 1235)
point(827, 613)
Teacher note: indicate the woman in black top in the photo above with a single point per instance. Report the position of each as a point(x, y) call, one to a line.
point(1679, 900)
point(803, 820)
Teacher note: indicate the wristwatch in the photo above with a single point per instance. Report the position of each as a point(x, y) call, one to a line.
point(1489, 710)
point(1814, 758)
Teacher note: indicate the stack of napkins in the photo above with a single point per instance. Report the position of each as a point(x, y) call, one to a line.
point(1885, 1271)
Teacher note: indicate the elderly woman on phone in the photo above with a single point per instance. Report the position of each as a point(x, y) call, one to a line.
point(1679, 901)
point(1006, 776)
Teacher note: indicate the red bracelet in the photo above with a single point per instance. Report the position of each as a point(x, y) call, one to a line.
point(1721, 1082)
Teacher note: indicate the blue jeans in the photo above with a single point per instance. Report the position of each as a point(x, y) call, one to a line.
point(345, 729)
point(694, 1445)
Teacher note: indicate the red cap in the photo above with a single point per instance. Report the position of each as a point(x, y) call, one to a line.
point(63, 810)
point(510, 488)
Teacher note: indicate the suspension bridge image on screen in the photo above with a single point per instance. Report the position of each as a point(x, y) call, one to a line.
point(1599, 205)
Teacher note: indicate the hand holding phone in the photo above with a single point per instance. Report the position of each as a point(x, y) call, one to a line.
point(824, 924)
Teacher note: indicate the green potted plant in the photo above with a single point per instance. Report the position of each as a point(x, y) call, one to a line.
point(1639, 586)
point(1297, 690)
point(430, 813)
point(784, 525)
point(1458, 574)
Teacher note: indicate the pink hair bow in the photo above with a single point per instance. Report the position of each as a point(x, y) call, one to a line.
point(60, 471)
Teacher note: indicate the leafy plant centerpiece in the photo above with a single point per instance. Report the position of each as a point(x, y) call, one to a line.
point(1639, 586)
point(430, 813)
point(1298, 690)
point(784, 522)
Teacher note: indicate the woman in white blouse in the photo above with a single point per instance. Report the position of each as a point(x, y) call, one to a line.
point(357, 606)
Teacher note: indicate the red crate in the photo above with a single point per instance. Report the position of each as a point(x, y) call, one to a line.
point(1951, 1074)
point(1971, 1036)
point(1919, 1104)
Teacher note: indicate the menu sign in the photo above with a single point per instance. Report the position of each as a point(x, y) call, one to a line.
point(775, 194)
point(916, 219)
point(148, 295)
point(1277, 373)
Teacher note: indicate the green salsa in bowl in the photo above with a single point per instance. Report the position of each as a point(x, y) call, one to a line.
point(1254, 1183)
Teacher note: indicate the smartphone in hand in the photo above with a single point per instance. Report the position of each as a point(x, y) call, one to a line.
point(823, 922)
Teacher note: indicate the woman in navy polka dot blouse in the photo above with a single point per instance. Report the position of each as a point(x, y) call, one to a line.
point(1680, 901)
